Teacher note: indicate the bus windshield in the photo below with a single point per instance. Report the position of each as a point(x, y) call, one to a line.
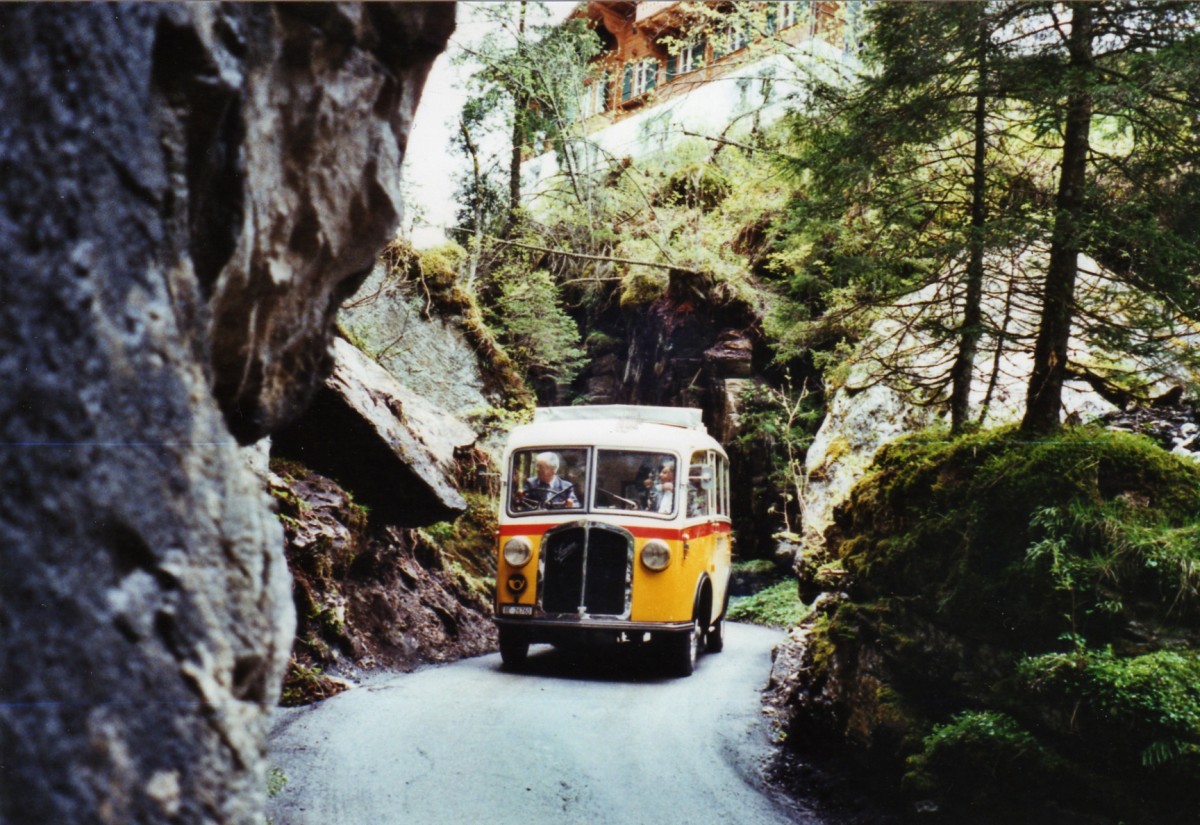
point(557, 478)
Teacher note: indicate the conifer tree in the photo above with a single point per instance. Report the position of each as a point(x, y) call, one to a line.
point(899, 161)
point(910, 174)
point(1132, 67)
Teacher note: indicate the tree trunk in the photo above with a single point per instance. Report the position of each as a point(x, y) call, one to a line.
point(971, 330)
point(1044, 397)
point(477, 210)
point(520, 109)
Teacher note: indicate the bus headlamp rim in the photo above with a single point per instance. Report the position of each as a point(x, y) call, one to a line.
point(518, 551)
point(656, 555)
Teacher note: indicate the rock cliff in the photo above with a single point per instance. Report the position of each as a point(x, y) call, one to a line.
point(189, 193)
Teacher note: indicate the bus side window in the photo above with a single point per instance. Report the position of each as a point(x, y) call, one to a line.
point(720, 490)
point(701, 485)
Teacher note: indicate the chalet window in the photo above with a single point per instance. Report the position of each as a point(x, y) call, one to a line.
point(785, 13)
point(595, 98)
point(640, 77)
point(689, 58)
point(733, 37)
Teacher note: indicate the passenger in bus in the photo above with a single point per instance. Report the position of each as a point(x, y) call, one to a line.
point(665, 492)
point(546, 489)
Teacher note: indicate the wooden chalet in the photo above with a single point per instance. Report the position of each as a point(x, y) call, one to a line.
point(655, 50)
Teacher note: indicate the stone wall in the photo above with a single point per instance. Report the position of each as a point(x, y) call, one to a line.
point(189, 192)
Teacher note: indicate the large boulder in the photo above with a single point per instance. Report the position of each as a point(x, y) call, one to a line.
point(426, 350)
point(391, 446)
point(189, 192)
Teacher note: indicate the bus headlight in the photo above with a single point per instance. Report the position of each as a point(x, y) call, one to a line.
point(518, 551)
point(656, 555)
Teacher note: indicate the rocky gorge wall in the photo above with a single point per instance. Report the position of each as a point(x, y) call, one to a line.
point(189, 193)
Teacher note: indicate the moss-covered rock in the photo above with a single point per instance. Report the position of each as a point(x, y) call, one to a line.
point(1016, 628)
point(1091, 532)
point(369, 594)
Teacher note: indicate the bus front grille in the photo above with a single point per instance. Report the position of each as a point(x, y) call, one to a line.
point(586, 568)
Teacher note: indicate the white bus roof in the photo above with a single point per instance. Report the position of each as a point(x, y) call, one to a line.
point(625, 429)
point(674, 416)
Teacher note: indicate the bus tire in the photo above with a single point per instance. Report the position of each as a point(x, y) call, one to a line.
point(514, 648)
point(685, 650)
point(714, 639)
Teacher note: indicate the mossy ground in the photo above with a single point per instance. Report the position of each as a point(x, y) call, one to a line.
point(1033, 607)
point(775, 606)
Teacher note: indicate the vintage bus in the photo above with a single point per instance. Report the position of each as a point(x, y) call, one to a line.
point(614, 528)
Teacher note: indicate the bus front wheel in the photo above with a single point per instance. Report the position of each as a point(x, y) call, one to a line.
point(685, 650)
point(714, 640)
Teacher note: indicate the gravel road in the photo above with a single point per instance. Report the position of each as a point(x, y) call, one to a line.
point(593, 739)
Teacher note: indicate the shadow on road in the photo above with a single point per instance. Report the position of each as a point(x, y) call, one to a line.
point(633, 664)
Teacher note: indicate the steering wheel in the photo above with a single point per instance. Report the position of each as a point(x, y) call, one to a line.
point(566, 491)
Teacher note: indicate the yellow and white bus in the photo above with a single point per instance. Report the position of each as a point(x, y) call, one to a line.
point(614, 527)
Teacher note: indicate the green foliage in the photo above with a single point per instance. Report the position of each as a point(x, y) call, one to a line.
point(1141, 712)
point(699, 185)
point(780, 424)
point(527, 79)
point(1036, 599)
point(303, 685)
point(440, 265)
point(754, 567)
point(776, 606)
point(981, 760)
point(949, 142)
point(642, 286)
point(276, 781)
point(468, 543)
point(600, 343)
point(1041, 537)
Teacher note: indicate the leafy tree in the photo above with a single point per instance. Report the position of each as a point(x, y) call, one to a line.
point(895, 173)
point(533, 327)
point(527, 82)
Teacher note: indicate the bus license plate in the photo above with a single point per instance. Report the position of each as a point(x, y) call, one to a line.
point(516, 609)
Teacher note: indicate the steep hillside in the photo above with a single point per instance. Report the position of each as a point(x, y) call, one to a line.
point(368, 593)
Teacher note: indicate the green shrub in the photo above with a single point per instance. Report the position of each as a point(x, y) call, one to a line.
point(702, 185)
point(642, 286)
point(533, 327)
point(1017, 540)
point(1143, 711)
point(440, 265)
point(981, 760)
point(754, 567)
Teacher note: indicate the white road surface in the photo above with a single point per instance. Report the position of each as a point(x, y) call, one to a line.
point(602, 738)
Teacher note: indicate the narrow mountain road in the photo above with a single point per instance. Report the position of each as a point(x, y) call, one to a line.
point(594, 739)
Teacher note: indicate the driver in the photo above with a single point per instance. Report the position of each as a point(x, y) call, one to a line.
point(546, 489)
